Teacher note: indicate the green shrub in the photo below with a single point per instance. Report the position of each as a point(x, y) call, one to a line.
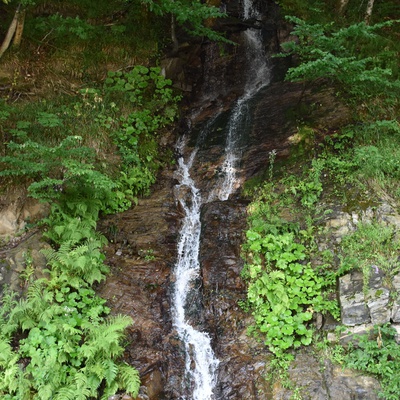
point(284, 290)
point(58, 341)
point(69, 347)
point(371, 244)
point(378, 354)
point(357, 59)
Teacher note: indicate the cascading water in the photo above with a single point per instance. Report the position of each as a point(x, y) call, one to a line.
point(258, 76)
point(197, 344)
point(200, 362)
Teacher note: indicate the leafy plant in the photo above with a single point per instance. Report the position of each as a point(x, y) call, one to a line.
point(27, 274)
point(60, 27)
point(372, 244)
point(310, 189)
point(190, 14)
point(330, 52)
point(69, 348)
point(68, 166)
point(58, 340)
point(378, 355)
point(283, 289)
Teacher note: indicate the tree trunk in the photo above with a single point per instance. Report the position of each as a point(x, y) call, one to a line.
point(342, 6)
point(368, 12)
point(20, 28)
point(10, 33)
point(174, 39)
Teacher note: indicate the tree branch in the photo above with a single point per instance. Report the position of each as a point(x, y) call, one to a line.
point(10, 33)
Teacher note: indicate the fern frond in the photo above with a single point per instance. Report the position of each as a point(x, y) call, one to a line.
point(105, 338)
point(128, 379)
point(95, 275)
point(23, 315)
point(109, 391)
point(66, 393)
point(45, 392)
point(80, 380)
point(7, 327)
point(7, 354)
point(110, 371)
point(93, 382)
point(83, 391)
point(12, 377)
point(96, 368)
point(38, 297)
point(9, 368)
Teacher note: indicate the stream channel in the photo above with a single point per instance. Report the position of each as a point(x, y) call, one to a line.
point(201, 364)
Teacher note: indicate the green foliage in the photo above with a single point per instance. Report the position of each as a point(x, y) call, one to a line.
point(69, 348)
point(377, 156)
point(135, 135)
point(378, 355)
point(69, 344)
point(310, 10)
point(365, 152)
point(283, 289)
point(358, 59)
point(307, 190)
point(190, 14)
point(26, 275)
point(129, 113)
point(153, 107)
point(357, 164)
point(372, 244)
point(57, 172)
point(58, 340)
point(61, 27)
point(93, 34)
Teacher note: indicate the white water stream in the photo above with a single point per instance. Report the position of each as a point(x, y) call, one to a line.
point(200, 362)
point(197, 344)
point(258, 76)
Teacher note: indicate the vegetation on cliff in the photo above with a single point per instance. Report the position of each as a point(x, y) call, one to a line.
point(290, 279)
point(90, 151)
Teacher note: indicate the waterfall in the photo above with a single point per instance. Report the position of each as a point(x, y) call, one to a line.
point(200, 362)
point(197, 344)
point(258, 76)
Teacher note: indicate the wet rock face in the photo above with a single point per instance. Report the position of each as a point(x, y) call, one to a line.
point(141, 254)
point(211, 74)
point(223, 224)
point(243, 360)
point(320, 380)
point(275, 117)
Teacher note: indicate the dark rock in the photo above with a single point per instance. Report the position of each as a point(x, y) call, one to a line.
point(321, 380)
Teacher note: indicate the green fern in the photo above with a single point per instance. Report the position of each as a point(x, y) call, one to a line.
point(45, 392)
point(109, 390)
point(12, 379)
point(110, 371)
point(128, 379)
point(8, 303)
point(103, 341)
point(66, 393)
